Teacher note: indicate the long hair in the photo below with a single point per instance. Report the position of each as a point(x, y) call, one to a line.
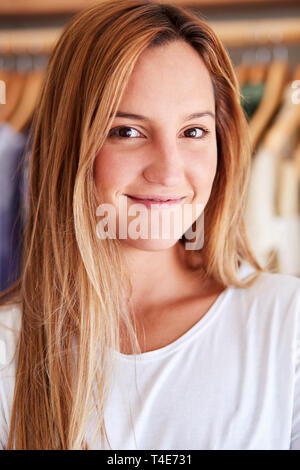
point(74, 288)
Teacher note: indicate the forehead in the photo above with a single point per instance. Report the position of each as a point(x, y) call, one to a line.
point(172, 75)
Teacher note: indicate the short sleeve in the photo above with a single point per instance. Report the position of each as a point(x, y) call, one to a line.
point(295, 437)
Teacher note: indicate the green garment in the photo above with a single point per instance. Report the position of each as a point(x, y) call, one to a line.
point(251, 95)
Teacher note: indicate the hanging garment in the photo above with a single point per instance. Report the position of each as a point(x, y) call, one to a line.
point(12, 145)
point(260, 211)
point(272, 225)
point(251, 96)
point(288, 220)
point(24, 187)
point(272, 233)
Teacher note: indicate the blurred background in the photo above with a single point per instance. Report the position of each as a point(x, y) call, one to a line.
point(263, 41)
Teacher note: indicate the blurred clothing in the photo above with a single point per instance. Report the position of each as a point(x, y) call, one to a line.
point(12, 146)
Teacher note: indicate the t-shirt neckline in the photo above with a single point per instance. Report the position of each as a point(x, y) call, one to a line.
point(184, 338)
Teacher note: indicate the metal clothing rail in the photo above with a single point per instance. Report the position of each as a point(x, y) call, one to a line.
point(28, 41)
point(38, 7)
point(233, 33)
point(258, 32)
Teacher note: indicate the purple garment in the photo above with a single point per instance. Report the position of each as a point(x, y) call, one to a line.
point(12, 146)
point(25, 186)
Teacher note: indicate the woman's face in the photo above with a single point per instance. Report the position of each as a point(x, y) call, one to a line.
point(160, 150)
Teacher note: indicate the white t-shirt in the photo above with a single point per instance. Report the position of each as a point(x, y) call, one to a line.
point(232, 381)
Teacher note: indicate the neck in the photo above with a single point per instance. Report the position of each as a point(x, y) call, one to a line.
point(159, 277)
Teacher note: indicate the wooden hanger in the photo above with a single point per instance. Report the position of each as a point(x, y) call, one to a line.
point(15, 82)
point(25, 109)
point(257, 73)
point(296, 158)
point(287, 121)
point(287, 191)
point(275, 82)
point(241, 71)
point(4, 79)
point(3, 75)
point(259, 69)
point(250, 70)
point(252, 89)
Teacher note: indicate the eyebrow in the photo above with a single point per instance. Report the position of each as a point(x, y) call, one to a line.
point(121, 114)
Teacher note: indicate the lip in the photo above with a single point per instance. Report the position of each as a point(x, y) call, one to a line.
point(164, 203)
point(164, 198)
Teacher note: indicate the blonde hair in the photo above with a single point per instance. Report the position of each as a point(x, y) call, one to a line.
point(74, 288)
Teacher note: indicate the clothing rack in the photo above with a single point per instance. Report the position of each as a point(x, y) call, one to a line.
point(56, 7)
point(233, 33)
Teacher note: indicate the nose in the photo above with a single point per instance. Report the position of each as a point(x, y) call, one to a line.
point(166, 166)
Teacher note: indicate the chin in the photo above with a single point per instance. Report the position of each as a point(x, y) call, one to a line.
point(150, 245)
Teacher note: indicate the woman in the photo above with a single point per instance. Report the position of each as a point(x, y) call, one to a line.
point(130, 342)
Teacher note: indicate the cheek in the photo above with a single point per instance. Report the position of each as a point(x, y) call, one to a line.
point(111, 172)
point(205, 168)
point(104, 176)
point(103, 167)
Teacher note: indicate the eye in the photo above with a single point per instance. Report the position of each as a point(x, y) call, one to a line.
point(127, 132)
point(123, 132)
point(203, 132)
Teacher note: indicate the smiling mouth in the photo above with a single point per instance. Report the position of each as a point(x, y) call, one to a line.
point(158, 198)
point(158, 203)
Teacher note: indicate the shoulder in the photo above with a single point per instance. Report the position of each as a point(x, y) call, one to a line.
point(271, 303)
point(10, 324)
point(271, 285)
point(282, 287)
